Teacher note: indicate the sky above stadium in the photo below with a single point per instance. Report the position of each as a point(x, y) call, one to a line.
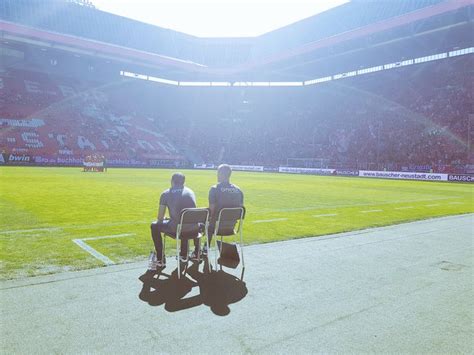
point(218, 18)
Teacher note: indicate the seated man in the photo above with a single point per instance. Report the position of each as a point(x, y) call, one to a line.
point(222, 195)
point(176, 198)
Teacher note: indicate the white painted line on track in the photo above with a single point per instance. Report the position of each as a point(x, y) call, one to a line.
point(270, 220)
point(432, 205)
point(93, 252)
point(404, 208)
point(371, 211)
point(325, 215)
point(82, 244)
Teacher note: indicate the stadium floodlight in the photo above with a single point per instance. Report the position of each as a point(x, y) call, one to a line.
point(345, 75)
point(317, 81)
point(242, 83)
point(194, 83)
point(163, 81)
point(220, 83)
point(133, 75)
point(461, 51)
point(286, 83)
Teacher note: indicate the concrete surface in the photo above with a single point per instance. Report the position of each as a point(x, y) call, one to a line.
point(406, 288)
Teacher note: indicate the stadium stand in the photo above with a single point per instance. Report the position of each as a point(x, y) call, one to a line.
point(61, 120)
point(60, 103)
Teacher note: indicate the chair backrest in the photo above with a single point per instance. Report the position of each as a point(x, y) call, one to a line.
point(228, 218)
point(191, 220)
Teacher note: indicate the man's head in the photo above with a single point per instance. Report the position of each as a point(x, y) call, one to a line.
point(177, 180)
point(223, 173)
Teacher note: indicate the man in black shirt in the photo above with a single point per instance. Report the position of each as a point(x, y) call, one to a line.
point(176, 198)
point(223, 195)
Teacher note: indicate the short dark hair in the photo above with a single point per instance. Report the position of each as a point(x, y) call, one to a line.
point(178, 179)
point(225, 170)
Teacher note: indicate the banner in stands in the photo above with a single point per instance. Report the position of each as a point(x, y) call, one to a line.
point(345, 172)
point(314, 171)
point(246, 168)
point(204, 166)
point(403, 175)
point(164, 163)
point(270, 169)
point(2, 159)
point(461, 177)
point(16, 159)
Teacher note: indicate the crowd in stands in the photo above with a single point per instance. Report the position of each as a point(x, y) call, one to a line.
point(62, 118)
point(413, 118)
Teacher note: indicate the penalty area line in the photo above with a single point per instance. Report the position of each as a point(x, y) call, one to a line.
point(371, 211)
point(83, 245)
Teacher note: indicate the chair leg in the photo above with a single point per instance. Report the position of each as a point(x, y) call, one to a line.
point(242, 248)
point(242, 253)
point(220, 250)
point(208, 252)
point(215, 251)
point(187, 257)
point(163, 257)
point(177, 255)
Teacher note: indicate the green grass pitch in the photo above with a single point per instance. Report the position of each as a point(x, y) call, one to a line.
point(43, 209)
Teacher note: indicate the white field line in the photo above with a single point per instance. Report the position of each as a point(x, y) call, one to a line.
point(49, 229)
point(371, 211)
point(270, 220)
point(325, 215)
point(404, 208)
point(321, 207)
point(455, 203)
point(79, 226)
point(82, 244)
point(93, 252)
point(108, 236)
point(86, 226)
point(432, 205)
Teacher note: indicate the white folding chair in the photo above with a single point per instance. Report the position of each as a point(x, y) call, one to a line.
point(189, 227)
point(227, 220)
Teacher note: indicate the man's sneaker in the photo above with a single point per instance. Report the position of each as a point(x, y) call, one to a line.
point(204, 250)
point(152, 261)
point(194, 256)
point(183, 259)
point(160, 263)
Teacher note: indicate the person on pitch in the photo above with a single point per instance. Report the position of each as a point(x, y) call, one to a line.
point(175, 199)
point(222, 195)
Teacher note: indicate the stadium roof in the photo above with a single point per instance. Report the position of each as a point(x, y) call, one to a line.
point(218, 18)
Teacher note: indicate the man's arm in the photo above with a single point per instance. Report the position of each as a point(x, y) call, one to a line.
point(162, 208)
point(161, 213)
point(212, 202)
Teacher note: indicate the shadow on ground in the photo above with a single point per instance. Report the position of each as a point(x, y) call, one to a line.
point(217, 289)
